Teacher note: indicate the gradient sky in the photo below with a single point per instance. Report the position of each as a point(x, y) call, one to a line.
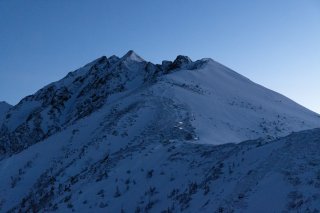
point(275, 43)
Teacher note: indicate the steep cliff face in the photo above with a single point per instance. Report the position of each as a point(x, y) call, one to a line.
point(61, 103)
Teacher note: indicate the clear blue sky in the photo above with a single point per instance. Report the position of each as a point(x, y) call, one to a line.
point(275, 43)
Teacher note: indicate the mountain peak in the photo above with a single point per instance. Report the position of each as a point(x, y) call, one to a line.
point(131, 55)
point(3, 103)
point(4, 108)
point(183, 58)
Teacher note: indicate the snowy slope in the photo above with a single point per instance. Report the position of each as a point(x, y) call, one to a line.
point(123, 134)
point(227, 107)
point(87, 168)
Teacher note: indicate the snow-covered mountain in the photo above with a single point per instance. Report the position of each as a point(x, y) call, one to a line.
point(123, 134)
point(203, 100)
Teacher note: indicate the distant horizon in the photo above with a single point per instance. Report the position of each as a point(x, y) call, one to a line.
point(275, 44)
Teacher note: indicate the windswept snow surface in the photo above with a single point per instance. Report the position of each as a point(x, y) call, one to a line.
point(227, 107)
point(125, 135)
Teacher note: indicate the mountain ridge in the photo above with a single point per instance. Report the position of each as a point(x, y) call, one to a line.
point(87, 89)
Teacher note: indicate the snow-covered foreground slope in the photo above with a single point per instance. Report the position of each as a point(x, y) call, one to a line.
point(126, 134)
point(86, 168)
